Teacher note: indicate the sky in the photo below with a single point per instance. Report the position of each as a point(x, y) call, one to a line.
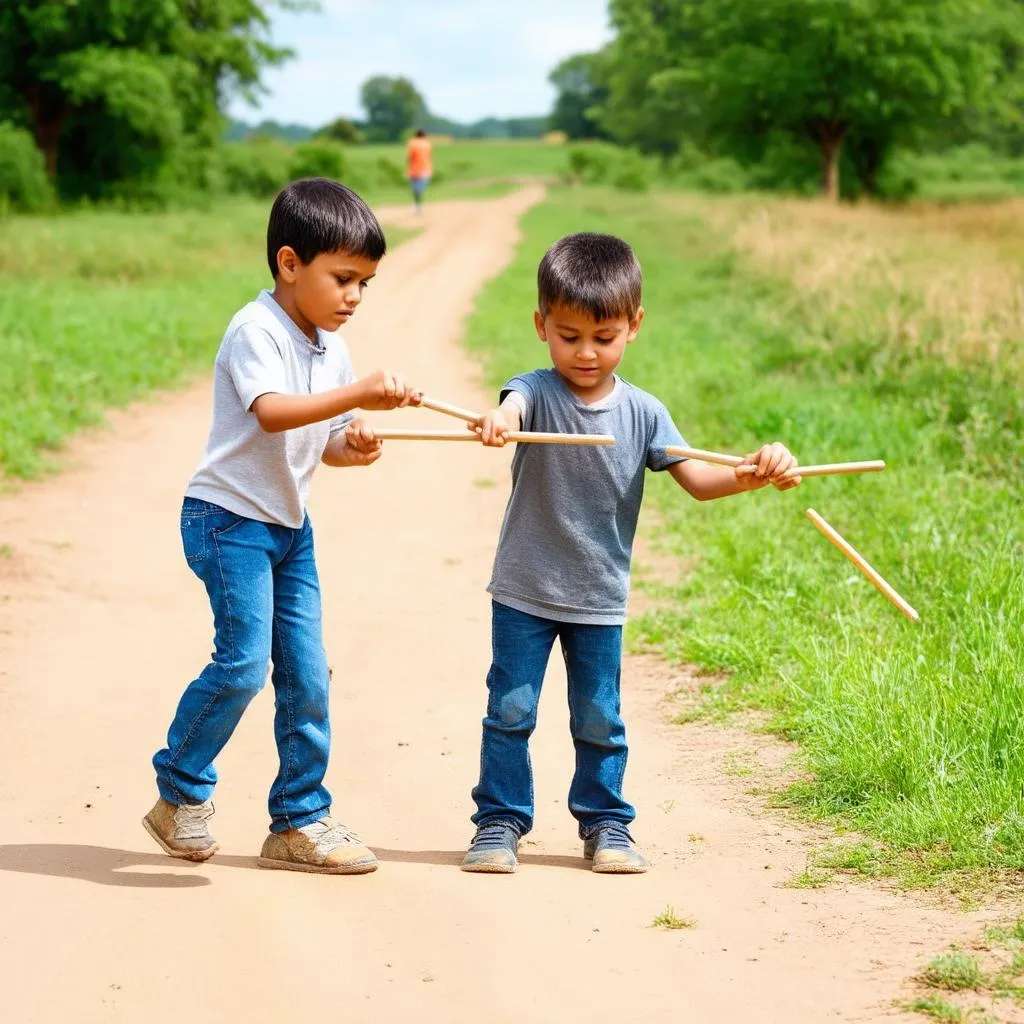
point(469, 58)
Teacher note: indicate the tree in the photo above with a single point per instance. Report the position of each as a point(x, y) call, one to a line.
point(392, 105)
point(581, 91)
point(108, 88)
point(731, 72)
point(341, 129)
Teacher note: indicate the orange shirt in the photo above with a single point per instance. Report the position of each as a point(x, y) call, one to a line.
point(419, 160)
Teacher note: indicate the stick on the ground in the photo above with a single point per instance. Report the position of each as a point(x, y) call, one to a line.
point(520, 436)
point(449, 410)
point(858, 560)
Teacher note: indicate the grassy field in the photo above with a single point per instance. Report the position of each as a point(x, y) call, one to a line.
point(849, 334)
point(97, 308)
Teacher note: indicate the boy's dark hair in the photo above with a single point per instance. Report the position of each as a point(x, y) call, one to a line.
point(591, 273)
point(420, 133)
point(317, 215)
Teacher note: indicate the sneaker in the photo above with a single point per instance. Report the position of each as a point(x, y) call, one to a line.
point(325, 847)
point(181, 829)
point(613, 852)
point(493, 849)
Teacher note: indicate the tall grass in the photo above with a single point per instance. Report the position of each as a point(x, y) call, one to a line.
point(774, 320)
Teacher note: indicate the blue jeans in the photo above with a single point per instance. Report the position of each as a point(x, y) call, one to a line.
point(265, 594)
point(593, 661)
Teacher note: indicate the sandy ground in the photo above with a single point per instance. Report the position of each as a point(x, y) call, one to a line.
point(101, 625)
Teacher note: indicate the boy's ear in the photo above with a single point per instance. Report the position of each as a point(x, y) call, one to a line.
point(287, 264)
point(538, 323)
point(634, 325)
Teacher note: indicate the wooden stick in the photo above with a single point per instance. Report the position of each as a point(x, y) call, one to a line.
point(716, 458)
point(449, 410)
point(826, 469)
point(521, 436)
point(835, 468)
point(848, 550)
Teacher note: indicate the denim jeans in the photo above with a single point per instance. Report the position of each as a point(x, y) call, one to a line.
point(265, 594)
point(593, 661)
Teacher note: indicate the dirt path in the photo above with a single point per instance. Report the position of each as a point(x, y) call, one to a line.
point(101, 624)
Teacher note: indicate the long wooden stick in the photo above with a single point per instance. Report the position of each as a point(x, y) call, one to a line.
point(521, 436)
point(826, 469)
point(835, 468)
point(858, 560)
point(449, 410)
point(716, 458)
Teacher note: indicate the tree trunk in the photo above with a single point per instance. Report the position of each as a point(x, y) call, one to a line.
point(47, 121)
point(831, 145)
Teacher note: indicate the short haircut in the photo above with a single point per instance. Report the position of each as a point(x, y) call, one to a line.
point(590, 273)
point(317, 215)
point(420, 133)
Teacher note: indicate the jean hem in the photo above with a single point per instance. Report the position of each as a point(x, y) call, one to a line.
point(290, 822)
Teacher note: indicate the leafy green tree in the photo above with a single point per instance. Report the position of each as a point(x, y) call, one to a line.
point(341, 129)
point(110, 88)
point(392, 105)
point(579, 81)
point(729, 73)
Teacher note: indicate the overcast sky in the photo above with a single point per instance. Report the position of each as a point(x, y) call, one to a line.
point(469, 58)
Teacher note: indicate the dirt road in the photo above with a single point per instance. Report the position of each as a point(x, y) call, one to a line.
point(101, 624)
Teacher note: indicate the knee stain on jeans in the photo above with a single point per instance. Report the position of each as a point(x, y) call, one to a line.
point(593, 727)
point(517, 706)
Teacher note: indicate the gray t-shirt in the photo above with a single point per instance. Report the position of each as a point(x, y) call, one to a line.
point(245, 469)
point(567, 537)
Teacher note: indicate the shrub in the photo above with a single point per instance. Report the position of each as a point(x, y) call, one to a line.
point(601, 163)
point(257, 167)
point(318, 159)
point(24, 185)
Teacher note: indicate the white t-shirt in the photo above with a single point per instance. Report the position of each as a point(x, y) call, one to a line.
point(245, 469)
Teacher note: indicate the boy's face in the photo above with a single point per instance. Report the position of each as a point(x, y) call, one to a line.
point(585, 351)
point(327, 290)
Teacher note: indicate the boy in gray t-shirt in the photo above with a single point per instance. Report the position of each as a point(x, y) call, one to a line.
point(562, 564)
point(283, 397)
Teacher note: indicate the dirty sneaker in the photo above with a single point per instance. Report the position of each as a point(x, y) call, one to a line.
point(611, 848)
point(493, 849)
point(325, 846)
point(181, 829)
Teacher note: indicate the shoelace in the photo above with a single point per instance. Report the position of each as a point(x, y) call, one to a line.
point(614, 835)
point(494, 837)
point(326, 835)
point(190, 820)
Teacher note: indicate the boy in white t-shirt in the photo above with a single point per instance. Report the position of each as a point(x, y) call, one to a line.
point(284, 391)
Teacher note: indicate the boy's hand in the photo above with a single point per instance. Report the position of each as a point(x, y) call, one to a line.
point(360, 448)
point(493, 428)
point(385, 390)
point(767, 466)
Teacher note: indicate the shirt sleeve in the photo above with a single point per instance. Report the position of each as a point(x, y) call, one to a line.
point(523, 388)
point(664, 433)
point(346, 375)
point(255, 364)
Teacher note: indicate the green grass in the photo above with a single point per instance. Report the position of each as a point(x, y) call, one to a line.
point(474, 160)
point(671, 921)
point(954, 972)
point(913, 734)
point(938, 1009)
point(98, 307)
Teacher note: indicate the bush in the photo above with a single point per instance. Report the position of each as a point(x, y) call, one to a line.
point(24, 185)
point(601, 163)
point(258, 167)
point(318, 159)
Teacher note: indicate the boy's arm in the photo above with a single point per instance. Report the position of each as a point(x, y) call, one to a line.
point(705, 483)
point(380, 390)
point(353, 446)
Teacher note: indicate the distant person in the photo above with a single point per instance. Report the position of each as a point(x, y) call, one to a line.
point(283, 396)
point(419, 164)
point(561, 572)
